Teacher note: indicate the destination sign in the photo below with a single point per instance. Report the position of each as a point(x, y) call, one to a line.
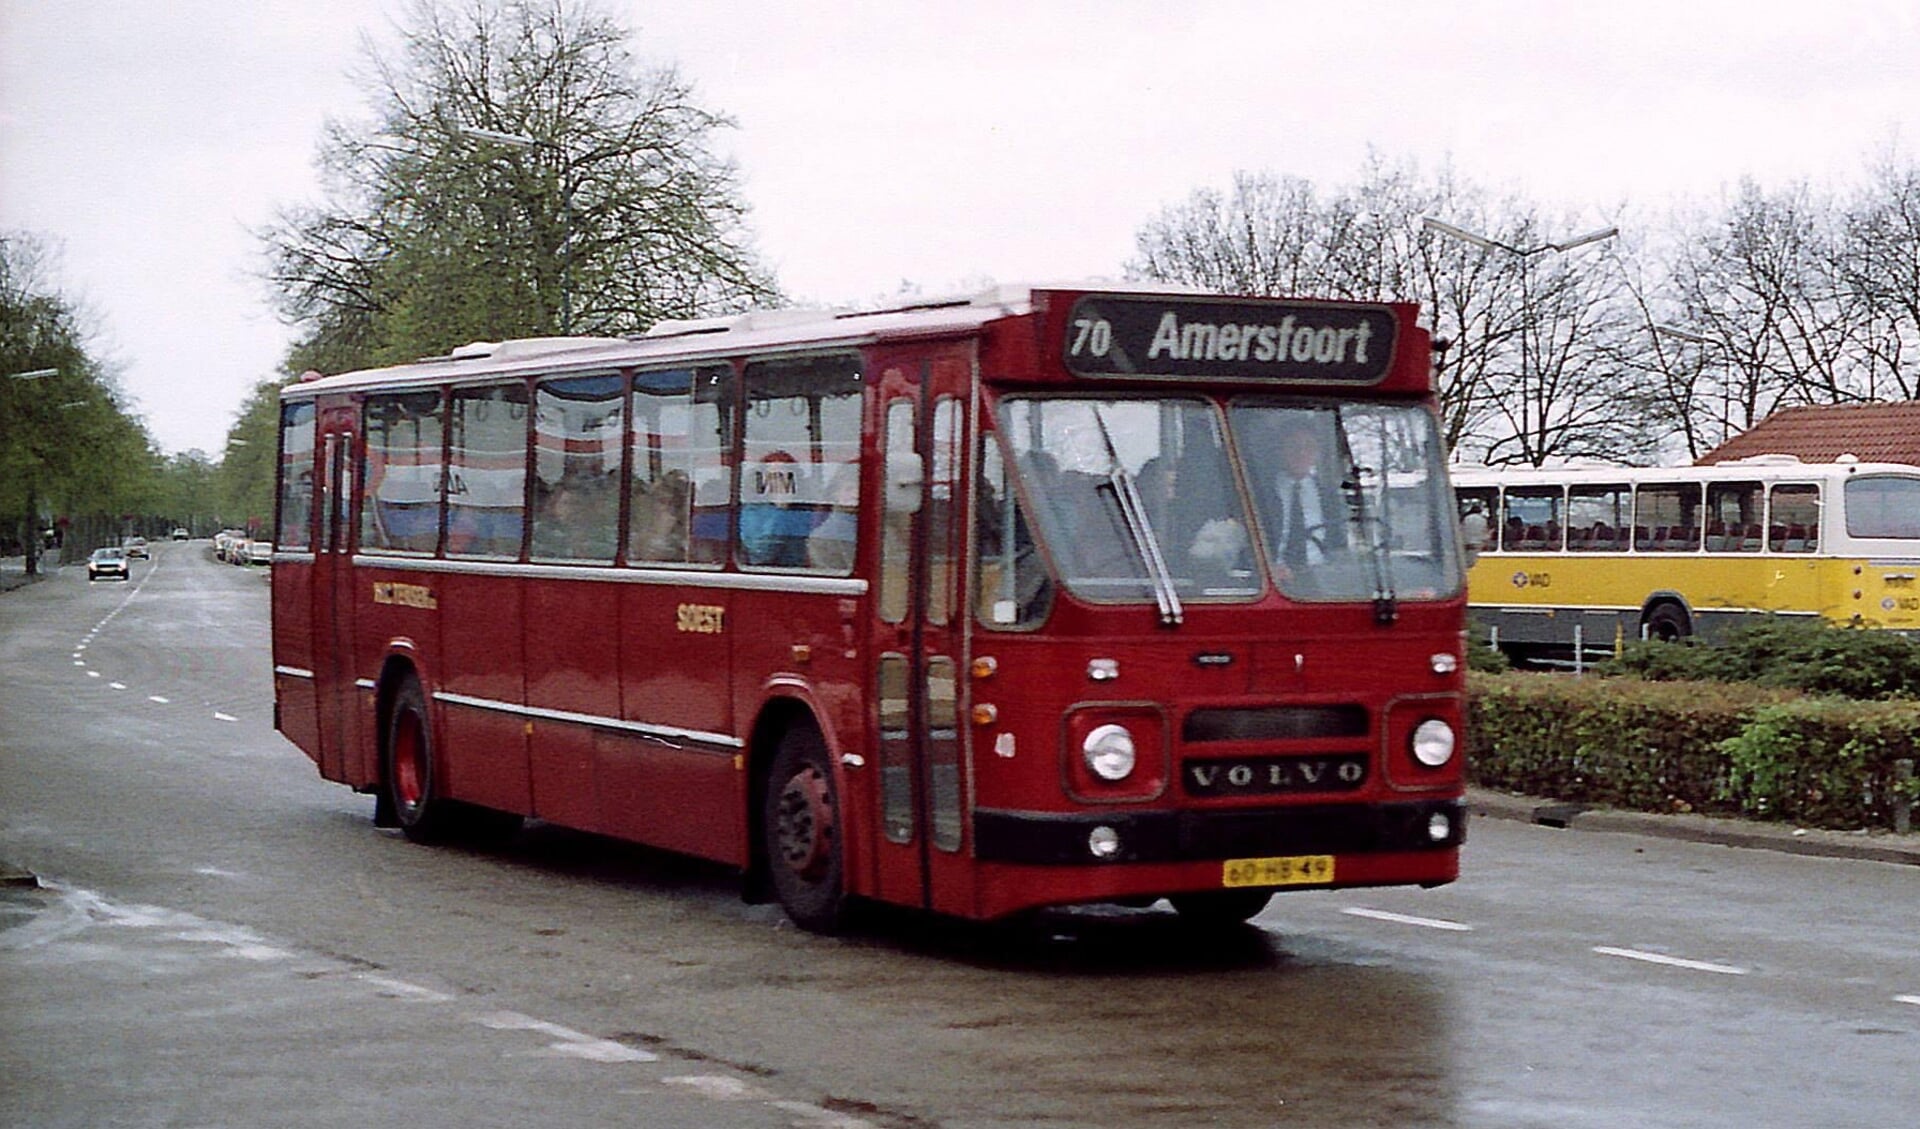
point(1129, 335)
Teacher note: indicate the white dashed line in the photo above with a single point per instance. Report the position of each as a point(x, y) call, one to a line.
point(1914, 1000)
point(93, 674)
point(1671, 962)
point(566, 1040)
point(218, 716)
point(400, 989)
point(118, 685)
point(158, 698)
point(1403, 919)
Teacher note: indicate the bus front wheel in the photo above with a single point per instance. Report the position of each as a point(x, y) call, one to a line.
point(801, 824)
point(1668, 623)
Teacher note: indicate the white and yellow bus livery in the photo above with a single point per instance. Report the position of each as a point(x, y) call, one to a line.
point(1578, 559)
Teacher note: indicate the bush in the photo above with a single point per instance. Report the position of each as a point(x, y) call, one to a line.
point(1689, 746)
point(1808, 655)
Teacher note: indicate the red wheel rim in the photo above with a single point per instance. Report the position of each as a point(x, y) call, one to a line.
point(803, 824)
point(408, 754)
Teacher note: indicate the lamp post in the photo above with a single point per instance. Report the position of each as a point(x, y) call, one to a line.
point(522, 141)
point(1524, 255)
point(33, 481)
point(1726, 352)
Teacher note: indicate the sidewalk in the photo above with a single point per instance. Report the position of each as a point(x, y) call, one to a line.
point(13, 570)
point(1876, 846)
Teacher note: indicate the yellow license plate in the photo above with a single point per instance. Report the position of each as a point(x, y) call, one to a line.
point(1292, 870)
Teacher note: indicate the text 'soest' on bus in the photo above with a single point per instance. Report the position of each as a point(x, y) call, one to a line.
point(1038, 597)
point(1577, 560)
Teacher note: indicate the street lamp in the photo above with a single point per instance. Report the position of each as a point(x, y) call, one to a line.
point(1726, 353)
point(33, 482)
point(1524, 254)
point(522, 141)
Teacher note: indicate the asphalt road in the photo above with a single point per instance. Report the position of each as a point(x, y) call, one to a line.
point(220, 938)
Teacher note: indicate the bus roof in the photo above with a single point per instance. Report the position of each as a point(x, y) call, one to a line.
point(693, 341)
point(1762, 468)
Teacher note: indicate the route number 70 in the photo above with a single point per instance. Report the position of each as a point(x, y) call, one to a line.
point(1092, 337)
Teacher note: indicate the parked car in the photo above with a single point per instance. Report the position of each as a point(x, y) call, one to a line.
point(180, 534)
point(224, 541)
point(137, 547)
point(259, 552)
point(107, 562)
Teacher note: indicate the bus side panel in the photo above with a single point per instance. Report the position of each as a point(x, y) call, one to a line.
point(296, 697)
point(485, 750)
point(572, 641)
point(674, 660)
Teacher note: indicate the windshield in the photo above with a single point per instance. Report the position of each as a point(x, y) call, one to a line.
point(1883, 506)
point(1352, 499)
point(1086, 463)
point(1145, 499)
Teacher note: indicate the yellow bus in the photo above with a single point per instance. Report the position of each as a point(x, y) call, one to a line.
point(1576, 560)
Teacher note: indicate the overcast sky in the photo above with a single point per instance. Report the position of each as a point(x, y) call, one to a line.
point(929, 142)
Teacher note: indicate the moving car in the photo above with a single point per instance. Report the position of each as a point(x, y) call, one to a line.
point(109, 561)
point(137, 547)
point(180, 534)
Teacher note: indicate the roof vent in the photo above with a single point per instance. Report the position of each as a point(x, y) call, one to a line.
point(1849, 458)
point(473, 351)
point(1767, 460)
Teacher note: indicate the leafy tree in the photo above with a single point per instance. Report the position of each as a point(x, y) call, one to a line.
point(67, 444)
point(518, 176)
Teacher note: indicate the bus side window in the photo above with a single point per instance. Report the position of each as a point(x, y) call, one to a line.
point(1794, 517)
point(400, 509)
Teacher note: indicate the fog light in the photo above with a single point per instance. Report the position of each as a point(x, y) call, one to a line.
point(1103, 842)
point(1439, 827)
point(1433, 742)
point(1109, 752)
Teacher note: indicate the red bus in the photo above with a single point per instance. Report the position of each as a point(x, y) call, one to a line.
point(1037, 597)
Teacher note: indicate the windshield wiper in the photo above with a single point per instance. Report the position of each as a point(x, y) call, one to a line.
point(1133, 512)
point(1386, 606)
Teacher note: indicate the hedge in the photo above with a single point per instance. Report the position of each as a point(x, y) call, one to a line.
point(1714, 748)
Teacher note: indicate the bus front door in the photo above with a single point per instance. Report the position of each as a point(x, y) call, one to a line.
point(341, 755)
point(920, 852)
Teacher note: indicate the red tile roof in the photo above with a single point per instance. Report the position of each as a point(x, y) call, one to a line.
point(1873, 432)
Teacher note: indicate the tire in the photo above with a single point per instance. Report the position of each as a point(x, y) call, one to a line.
point(1668, 623)
point(408, 772)
point(800, 829)
point(1216, 909)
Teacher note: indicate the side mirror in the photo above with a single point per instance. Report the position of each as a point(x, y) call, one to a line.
point(906, 474)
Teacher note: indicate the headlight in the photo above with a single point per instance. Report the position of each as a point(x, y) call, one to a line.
point(1109, 752)
point(1433, 742)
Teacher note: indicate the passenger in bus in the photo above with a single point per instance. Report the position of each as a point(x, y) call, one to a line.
point(660, 517)
point(773, 531)
point(576, 519)
point(1199, 538)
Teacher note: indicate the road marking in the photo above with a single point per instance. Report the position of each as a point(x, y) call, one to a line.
point(118, 685)
point(1672, 962)
point(218, 716)
point(93, 674)
point(567, 1041)
point(158, 698)
point(400, 989)
point(1914, 1000)
point(1403, 919)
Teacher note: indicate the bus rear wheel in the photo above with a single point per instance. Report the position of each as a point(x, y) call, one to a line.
point(800, 821)
point(422, 816)
point(1668, 623)
point(1213, 909)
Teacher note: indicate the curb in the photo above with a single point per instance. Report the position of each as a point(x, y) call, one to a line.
point(16, 876)
point(1872, 846)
